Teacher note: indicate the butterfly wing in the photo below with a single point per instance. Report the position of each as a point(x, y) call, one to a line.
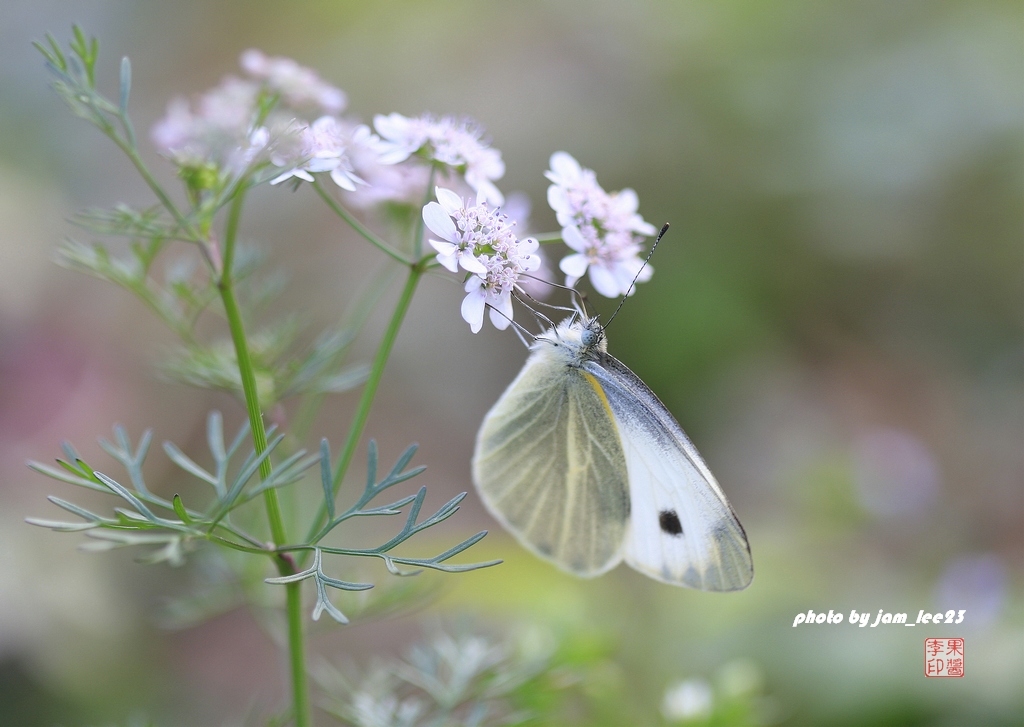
point(682, 529)
point(550, 467)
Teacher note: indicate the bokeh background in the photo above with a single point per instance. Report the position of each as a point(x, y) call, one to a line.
point(835, 319)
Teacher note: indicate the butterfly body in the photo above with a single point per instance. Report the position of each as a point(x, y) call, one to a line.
point(586, 467)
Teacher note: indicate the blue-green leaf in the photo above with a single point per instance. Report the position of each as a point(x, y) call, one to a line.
point(326, 478)
point(126, 84)
point(182, 460)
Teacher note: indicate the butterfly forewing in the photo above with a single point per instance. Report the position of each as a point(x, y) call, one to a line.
point(682, 530)
point(550, 466)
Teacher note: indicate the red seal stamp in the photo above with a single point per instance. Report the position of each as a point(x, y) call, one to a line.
point(943, 657)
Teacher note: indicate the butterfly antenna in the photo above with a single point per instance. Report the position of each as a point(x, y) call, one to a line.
point(581, 309)
point(536, 313)
point(664, 229)
point(541, 302)
point(577, 295)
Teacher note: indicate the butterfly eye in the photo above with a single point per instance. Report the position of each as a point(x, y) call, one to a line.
point(589, 337)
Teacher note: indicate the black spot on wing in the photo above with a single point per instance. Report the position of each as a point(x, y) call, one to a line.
point(669, 522)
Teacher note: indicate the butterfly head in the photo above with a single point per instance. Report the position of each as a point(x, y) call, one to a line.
point(592, 333)
point(575, 339)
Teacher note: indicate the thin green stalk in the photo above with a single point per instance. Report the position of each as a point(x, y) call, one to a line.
point(379, 362)
point(296, 647)
point(357, 225)
point(155, 187)
point(369, 391)
point(240, 534)
point(548, 237)
point(235, 546)
point(354, 321)
point(300, 682)
point(417, 239)
point(259, 433)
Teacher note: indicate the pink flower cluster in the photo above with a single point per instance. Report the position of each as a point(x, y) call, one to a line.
point(480, 240)
point(602, 228)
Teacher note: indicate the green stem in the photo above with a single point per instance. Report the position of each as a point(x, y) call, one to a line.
point(357, 225)
point(235, 546)
point(300, 684)
point(417, 240)
point(354, 321)
point(155, 187)
point(548, 237)
point(225, 286)
point(369, 391)
point(285, 566)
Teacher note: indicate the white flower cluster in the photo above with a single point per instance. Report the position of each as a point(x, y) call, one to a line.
point(299, 87)
point(283, 114)
point(603, 228)
point(304, 134)
point(456, 143)
point(480, 240)
point(219, 128)
point(691, 699)
point(327, 145)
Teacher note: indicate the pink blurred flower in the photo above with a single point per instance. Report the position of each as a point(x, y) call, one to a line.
point(602, 228)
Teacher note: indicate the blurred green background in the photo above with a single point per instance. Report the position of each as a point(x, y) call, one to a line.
point(835, 319)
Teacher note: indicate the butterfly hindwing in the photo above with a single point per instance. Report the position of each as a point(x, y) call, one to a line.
point(682, 530)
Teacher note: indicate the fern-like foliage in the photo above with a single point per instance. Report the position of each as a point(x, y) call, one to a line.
point(449, 680)
point(360, 508)
point(169, 530)
point(144, 518)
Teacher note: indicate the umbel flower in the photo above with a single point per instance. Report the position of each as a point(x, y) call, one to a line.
point(457, 143)
point(326, 145)
point(219, 127)
point(300, 88)
point(480, 240)
point(602, 228)
point(216, 129)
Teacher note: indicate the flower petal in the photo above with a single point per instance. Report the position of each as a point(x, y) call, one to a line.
point(501, 311)
point(447, 254)
point(300, 173)
point(624, 202)
point(623, 275)
point(343, 179)
point(572, 237)
point(605, 283)
point(450, 201)
point(391, 154)
point(487, 192)
point(438, 221)
point(574, 266)
point(472, 264)
point(444, 247)
point(322, 164)
point(557, 200)
point(391, 126)
point(564, 168)
point(528, 246)
point(633, 267)
point(473, 309)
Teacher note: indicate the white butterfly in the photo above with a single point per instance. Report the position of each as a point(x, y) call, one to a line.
point(585, 466)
